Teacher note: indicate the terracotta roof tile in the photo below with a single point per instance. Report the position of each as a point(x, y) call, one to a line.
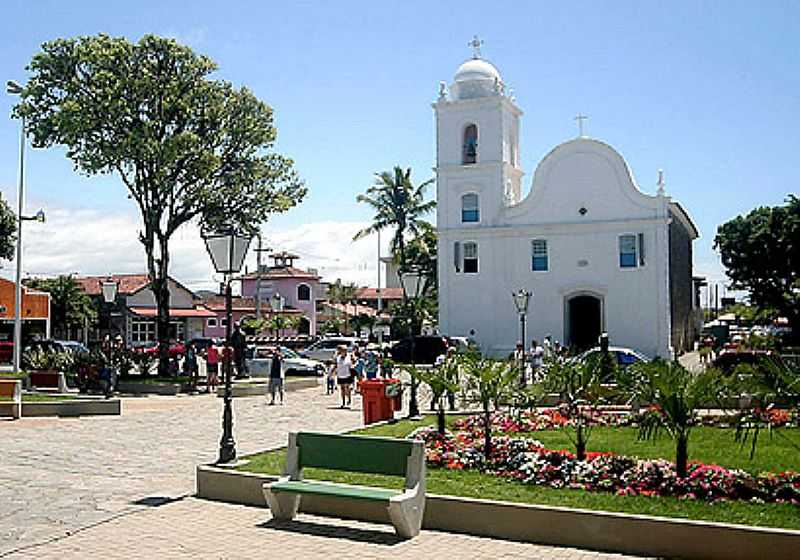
point(127, 283)
point(386, 293)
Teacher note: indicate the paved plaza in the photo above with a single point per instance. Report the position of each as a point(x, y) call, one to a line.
point(121, 487)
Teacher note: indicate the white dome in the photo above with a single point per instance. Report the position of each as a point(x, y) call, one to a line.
point(476, 78)
point(476, 69)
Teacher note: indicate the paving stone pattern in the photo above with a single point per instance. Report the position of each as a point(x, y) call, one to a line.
point(120, 487)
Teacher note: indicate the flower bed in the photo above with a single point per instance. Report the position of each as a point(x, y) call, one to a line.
point(528, 461)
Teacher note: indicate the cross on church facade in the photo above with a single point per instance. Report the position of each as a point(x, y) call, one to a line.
point(476, 46)
point(580, 118)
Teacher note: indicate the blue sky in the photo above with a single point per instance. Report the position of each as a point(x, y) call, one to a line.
point(708, 91)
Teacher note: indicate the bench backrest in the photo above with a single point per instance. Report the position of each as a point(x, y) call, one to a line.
point(353, 453)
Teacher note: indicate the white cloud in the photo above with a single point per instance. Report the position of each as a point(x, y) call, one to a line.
point(89, 242)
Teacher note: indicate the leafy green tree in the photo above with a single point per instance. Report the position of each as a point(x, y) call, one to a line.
point(279, 323)
point(70, 307)
point(363, 321)
point(440, 380)
point(398, 205)
point(332, 326)
point(8, 230)
point(761, 254)
point(579, 384)
point(675, 394)
point(188, 148)
point(486, 383)
point(421, 254)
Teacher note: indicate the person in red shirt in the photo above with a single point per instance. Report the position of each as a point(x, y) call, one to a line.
point(212, 362)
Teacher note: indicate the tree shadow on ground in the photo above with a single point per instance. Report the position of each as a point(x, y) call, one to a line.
point(370, 536)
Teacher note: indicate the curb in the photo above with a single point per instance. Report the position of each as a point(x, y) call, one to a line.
point(587, 529)
point(78, 407)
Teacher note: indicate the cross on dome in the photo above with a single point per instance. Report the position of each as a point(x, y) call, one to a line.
point(476, 46)
point(580, 118)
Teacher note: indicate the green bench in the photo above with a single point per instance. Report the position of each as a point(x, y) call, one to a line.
point(354, 454)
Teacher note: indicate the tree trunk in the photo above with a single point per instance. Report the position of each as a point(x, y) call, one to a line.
point(159, 284)
point(580, 443)
point(682, 455)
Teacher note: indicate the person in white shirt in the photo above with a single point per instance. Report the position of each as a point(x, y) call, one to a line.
point(537, 359)
point(343, 365)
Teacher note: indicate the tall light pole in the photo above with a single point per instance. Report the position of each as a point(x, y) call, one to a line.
point(14, 88)
point(410, 278)
point(227, 249)
point(521, 300)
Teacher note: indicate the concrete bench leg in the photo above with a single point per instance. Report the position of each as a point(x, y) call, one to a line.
point(406, 515)
point(283, 505)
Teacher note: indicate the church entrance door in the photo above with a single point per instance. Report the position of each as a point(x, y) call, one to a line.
point(584, 321)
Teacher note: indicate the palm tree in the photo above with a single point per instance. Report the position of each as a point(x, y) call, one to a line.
point(344, 294)
point(675, 394)
point(398, 204)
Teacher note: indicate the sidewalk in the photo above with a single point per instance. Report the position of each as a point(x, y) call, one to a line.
point(190, 528)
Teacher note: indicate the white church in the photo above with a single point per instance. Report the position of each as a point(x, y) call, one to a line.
point(597, 253)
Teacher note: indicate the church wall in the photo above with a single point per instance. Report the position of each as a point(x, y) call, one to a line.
point(585, 262)
point(680, 286)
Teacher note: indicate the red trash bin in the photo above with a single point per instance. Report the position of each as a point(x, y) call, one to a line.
point(375, 404)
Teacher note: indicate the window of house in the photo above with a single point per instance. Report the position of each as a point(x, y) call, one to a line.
point(303, 293)
point(470, 149)
point(469, 208)
point(223, 322)
point(470, 258)
point(142, 331)
point(539, 260)
point(457, 256)
point(211, 322)
point(627, 251)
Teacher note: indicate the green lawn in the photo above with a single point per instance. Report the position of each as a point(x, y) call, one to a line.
point(716, 443)
point(706, 444)
point(13, 375)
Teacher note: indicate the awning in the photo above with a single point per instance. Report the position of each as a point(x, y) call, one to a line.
point(175, 313)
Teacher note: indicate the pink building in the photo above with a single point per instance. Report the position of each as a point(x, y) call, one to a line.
point(286, 288)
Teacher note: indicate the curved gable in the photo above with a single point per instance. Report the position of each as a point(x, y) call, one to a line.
point(583, 174)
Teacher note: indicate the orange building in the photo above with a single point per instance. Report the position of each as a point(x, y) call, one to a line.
point(35, 311)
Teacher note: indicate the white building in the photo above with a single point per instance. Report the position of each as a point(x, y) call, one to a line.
point(597, 253)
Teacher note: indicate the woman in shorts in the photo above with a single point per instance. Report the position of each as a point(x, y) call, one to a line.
point(343, 365)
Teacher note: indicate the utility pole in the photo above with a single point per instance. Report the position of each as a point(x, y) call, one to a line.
point(259, 250)
point(380, 330)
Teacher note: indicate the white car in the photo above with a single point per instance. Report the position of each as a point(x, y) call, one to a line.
point(293, 364)
point(324, 350)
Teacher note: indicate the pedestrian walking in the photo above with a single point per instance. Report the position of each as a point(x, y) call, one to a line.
point(330, 379)
point(276, 376)
point(371, 364)
point(190, 365)
point(239, 344)
point(345, 374)
point(212, 366)
point(537, 360)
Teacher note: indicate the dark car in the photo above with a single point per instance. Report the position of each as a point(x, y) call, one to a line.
point(728, 360)
point(426, 349)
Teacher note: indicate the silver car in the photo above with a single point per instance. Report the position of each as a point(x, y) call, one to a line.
point(260, 362)
point(325, 349)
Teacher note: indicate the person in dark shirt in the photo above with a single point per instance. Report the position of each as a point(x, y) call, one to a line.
point(276, 376)
point(238, 343)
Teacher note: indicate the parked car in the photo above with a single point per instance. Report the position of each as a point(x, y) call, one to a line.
point(426, 349)
point(324, 350)
point(176, 349)
point(727, 360)
point(259, 362)
point(623, 357)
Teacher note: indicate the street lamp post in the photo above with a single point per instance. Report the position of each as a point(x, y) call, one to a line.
point(410, 277)
point(521, 300)
point(14, 88)
point(227, 249)
point(109, 288)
